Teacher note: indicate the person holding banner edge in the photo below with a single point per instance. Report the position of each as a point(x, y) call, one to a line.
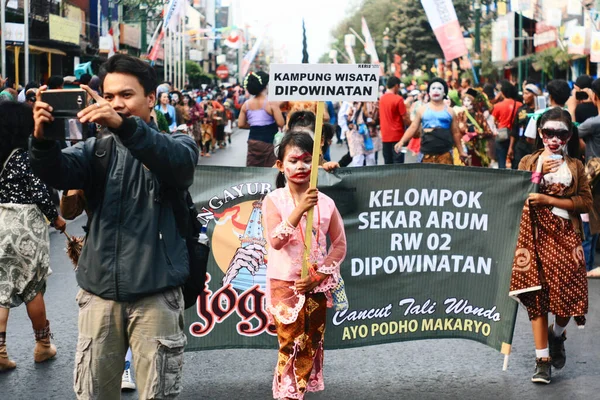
point(548, 273)
point(440, 128)
point(298, 306)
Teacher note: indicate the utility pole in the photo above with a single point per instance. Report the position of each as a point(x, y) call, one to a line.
point(520, 38)
point(144, 29)
point(26, 39)
point(477, 44)
point(2, 37)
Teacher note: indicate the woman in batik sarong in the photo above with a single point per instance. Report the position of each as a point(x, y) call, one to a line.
point(298, 306)
point(24, 242)
point(549, 274)
point(263, 118)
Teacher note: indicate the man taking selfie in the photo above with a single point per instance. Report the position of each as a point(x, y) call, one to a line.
point(134, 261)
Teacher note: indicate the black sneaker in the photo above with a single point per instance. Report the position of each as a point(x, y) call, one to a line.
point(557, 348)
point(543, 370)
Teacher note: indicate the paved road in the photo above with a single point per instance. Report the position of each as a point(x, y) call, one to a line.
point(427, 369)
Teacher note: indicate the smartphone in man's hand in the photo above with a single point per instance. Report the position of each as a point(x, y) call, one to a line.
point(581, 95)
point(66, 103)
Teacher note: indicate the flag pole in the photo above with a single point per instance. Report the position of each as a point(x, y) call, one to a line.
point(358, 37)
point(505, 365)
point(314, 173)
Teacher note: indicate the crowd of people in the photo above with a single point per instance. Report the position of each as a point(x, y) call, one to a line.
point(159, 133)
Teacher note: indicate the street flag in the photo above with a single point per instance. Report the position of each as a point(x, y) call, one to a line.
point(370, 47)
point(397, 65)
point(249, 57)
point(349, 41)
point(156, 46)
point(578, 43)
point(443, 21)
point(234, 40)
point(595, 52)
point(113, 48)
point(174, 11)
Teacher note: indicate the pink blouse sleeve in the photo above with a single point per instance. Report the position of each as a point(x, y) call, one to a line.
point(278, 230)
point(337, 250)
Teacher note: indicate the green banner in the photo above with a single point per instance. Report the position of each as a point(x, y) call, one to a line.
point(430, 251)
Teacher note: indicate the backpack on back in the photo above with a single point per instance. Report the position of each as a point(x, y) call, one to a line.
point(184, 210)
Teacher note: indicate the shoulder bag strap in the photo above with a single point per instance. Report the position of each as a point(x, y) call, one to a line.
point(514, 113)
point(101, 157)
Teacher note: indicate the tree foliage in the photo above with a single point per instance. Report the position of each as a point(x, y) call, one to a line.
point(196, 74)
point(414, 38)
point(377, 14)
point(550, 60)
point(410, 34)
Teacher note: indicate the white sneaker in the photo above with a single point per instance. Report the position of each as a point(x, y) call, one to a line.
point(127, 382)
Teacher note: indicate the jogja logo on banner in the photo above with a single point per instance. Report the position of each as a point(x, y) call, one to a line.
point(430, 252)
point(444, 22)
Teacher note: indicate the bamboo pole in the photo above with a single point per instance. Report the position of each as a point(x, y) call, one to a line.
point(17, 51)
point(314, 173)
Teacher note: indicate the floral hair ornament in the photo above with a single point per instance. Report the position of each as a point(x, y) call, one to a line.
point(248, 76)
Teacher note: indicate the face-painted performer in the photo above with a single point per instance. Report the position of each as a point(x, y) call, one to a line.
point(296, 305)
point(475, 128)
point(555, 135)
point(440, 128)
point(549, 273)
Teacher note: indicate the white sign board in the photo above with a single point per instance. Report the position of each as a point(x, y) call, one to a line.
point(14, 32)
point(323, 82)
point(195, 55)
point(106, 43)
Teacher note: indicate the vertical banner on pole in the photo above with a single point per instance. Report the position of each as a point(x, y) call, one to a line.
point(595, 48)
point(578, 41)
point(370, 45)
point(442, 18)
point(249, 57)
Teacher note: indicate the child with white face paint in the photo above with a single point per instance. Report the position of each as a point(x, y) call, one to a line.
point(549, 266)
point(296, 305)
point(440, 128)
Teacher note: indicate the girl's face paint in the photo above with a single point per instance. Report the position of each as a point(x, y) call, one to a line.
point(297, 165)
point(436, 91)
point(555, 135)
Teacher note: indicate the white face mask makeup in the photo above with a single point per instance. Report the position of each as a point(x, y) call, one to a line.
point(468, 103)
point(436, 91)
point(297, 165)
point(555, 136)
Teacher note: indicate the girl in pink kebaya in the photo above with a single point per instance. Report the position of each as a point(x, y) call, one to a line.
point(298, 306)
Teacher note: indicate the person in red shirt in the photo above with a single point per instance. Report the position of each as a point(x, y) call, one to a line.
point(393, 116)
point(504, 114)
